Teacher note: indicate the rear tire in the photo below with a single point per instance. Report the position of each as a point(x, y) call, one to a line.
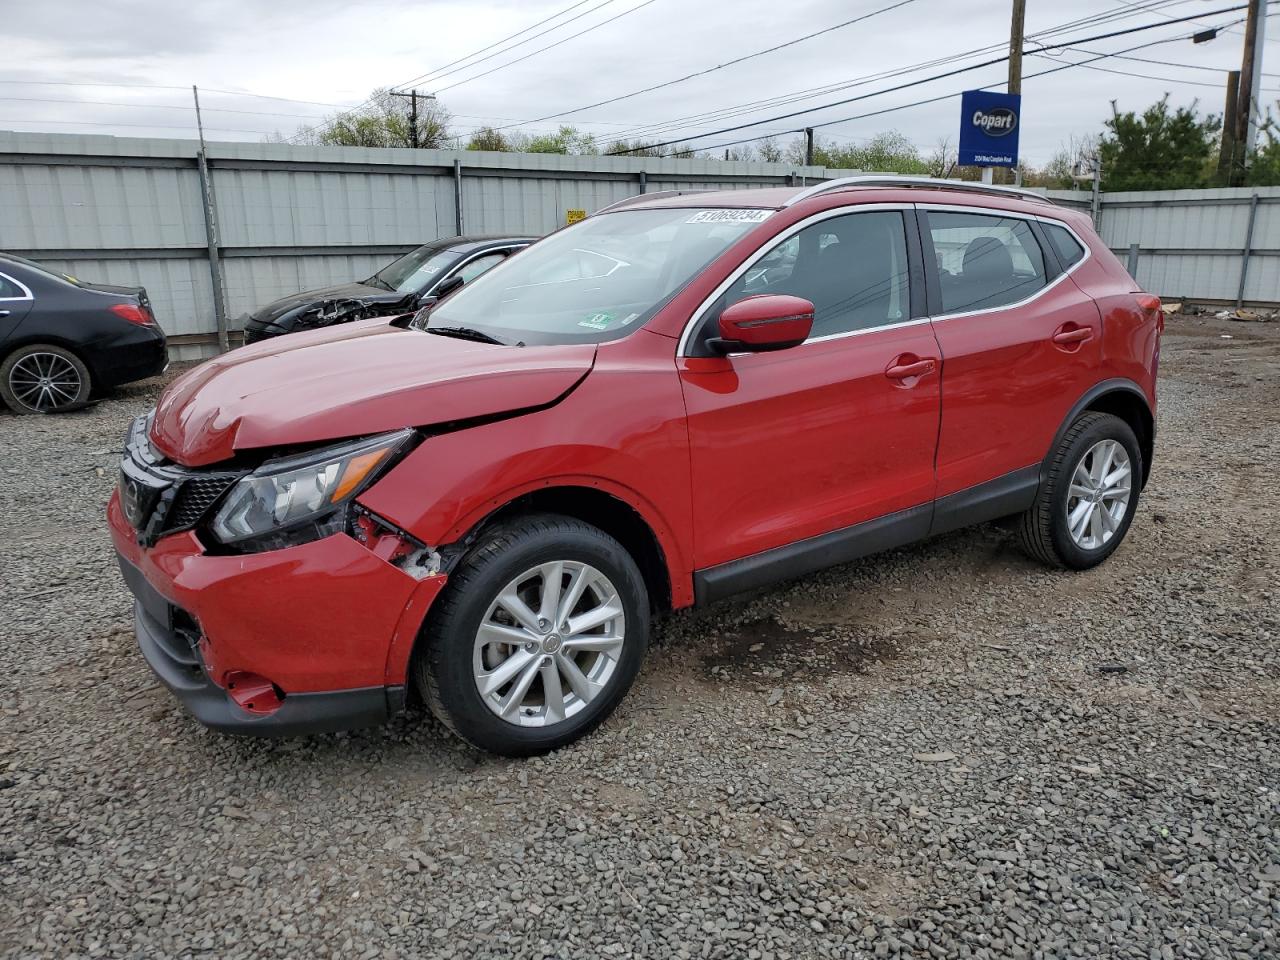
point(1088, 495)
point(44, 378)
point(519, 683)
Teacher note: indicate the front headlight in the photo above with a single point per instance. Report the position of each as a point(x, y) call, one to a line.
point(305, 497)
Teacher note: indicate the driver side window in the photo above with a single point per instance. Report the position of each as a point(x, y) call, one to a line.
point(853, 268)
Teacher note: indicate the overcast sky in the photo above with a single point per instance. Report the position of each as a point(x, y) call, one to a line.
point(334, 52)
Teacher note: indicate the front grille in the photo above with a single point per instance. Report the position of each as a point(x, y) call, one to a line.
point(159, 497)
point(194, 498)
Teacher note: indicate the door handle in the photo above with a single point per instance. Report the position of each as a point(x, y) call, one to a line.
point(1074, 335)
point(3, 313)
point(904, 371)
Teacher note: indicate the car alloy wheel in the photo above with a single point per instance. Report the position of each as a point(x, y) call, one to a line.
point(1099, 494)
point(45, 382)
point(549, 643)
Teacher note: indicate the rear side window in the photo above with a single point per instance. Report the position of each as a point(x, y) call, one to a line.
point(10, 290)
point(1064, 244)
point(985, 261)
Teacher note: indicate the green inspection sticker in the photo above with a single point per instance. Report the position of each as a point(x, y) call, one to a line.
point(597, 321)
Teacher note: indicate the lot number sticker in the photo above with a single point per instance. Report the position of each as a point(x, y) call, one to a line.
point(573, 216)
point(729, 216)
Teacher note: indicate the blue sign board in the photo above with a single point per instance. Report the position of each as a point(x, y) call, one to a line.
point(989, 129)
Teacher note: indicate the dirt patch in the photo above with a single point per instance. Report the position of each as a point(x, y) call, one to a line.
point(767, 649)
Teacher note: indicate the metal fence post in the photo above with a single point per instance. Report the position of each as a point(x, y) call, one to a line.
point(209, 209)
point(457, 192)
point(1248, 248)
point(1132, 265)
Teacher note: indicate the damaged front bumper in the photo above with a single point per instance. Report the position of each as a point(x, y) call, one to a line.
point(310, 638)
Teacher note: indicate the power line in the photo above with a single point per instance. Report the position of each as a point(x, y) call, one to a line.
point(445, 71)
point(501, 65)
point(954, 94)
point(572, 36)
point(728, 63)
point(658, 129)
point(1041, 73)
point(914, 83)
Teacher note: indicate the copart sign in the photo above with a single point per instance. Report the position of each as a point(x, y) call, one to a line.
point(989, 129)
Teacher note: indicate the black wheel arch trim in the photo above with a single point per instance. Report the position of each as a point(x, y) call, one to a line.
point(1091, 396)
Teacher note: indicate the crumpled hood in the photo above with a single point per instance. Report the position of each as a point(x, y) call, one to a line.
point(341, 291)
point(362, 378)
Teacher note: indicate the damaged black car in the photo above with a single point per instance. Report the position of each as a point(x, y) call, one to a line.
point(417, 279)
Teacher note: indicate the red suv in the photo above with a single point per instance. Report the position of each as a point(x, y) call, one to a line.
point(684, 397)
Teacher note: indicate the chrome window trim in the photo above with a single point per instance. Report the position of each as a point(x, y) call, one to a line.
point(698, 315)
point(21, 286)
point(476, 256)
point(1010, 215)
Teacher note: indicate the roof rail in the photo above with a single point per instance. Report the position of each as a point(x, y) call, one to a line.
point(883, 180)
point(628, 201)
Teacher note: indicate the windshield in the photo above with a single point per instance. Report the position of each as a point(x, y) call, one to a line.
point(596, 280)
point(416, 270)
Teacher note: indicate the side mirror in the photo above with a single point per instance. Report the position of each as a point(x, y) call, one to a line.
point(764, 322)
point(426, 301)
point(447, 287)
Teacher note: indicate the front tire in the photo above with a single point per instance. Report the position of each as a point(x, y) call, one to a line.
point(1088, 496)
point(44, 378)
point(538, 635)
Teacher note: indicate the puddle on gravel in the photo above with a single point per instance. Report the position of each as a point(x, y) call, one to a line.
point(766, 647)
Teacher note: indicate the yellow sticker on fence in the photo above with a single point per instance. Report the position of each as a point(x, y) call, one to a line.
point(573, 216)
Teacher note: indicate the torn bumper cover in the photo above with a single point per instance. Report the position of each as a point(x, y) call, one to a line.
point(306, 639)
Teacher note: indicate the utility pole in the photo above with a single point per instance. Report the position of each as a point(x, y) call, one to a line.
point(1227, 154)
point(1016, 28)
point(413, 113)
point(413, 119)
point(1095, 200)
point(1015, 45)
point(1255, 93)
point(1246, 127)
point(211, 232)
point(808, 146)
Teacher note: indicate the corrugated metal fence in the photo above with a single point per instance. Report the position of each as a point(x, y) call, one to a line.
point(121, 210)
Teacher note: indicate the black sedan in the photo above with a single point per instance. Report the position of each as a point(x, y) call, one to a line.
point(64, 341)
point(432, 271)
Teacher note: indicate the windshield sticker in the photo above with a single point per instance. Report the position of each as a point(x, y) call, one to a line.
point(729, 216)
point(628, 318)
point(597, 321)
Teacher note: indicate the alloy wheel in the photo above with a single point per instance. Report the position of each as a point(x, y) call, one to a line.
point(44, 381)
point(549, 643)
point(1099, 494)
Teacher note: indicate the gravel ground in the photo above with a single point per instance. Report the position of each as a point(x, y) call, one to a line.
point(946, 751)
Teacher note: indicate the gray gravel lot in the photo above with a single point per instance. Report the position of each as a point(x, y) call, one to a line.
point(947, 751)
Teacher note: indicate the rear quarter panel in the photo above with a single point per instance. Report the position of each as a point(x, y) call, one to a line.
point(1130, 336)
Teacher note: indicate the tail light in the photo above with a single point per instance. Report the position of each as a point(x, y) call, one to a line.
point(1150, 304)
point(134, 313)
